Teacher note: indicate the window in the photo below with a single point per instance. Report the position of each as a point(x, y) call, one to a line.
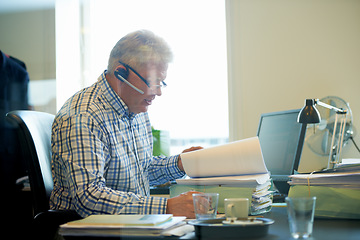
point(194, 106)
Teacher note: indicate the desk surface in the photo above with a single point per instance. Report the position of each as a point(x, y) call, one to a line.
point(326, 229)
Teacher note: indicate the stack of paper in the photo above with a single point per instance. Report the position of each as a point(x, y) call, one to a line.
point(126, 225)
point(337, 179)
point(261, 198)
point(337, 191)
point(250, 181)
point(238, 164)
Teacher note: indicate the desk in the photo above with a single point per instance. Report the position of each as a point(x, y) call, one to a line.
point(324, 229)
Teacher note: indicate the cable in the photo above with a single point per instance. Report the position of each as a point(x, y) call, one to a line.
point(352, 139)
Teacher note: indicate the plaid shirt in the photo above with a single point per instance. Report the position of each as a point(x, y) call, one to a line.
point(102, 159)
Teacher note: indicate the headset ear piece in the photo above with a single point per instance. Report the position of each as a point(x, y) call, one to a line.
point(122, 74)
point(122, 71)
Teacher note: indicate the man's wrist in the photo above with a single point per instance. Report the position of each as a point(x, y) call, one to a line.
point(180, 165)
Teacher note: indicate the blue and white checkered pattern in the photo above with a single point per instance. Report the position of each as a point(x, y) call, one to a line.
point(102, 159)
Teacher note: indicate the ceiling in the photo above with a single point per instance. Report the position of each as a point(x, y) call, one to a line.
point(25, 5)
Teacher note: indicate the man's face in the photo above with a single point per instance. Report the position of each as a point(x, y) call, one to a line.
point(136, 101)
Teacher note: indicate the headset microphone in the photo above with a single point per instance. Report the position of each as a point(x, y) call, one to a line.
point(121, 78)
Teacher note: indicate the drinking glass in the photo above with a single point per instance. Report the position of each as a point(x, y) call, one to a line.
point(301, 216)
point(205, 205)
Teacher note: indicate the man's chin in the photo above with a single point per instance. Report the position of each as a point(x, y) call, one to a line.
point(140, 110)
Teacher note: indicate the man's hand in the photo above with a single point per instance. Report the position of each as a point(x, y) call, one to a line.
point(187, 150)
point(181, 205)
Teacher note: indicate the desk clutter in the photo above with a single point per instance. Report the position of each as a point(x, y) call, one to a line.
point(260, 195)
point(234, 170)
point(337, 191)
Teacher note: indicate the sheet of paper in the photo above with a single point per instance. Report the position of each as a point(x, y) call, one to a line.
point(351, 161)
point(243, 181)
point(232, 159)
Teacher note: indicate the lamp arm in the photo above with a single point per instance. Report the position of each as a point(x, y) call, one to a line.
point(338, 110)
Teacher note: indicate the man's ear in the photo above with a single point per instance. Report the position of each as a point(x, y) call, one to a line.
point(121, 72)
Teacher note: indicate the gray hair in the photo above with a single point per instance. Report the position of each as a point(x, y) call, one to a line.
point(138, 49)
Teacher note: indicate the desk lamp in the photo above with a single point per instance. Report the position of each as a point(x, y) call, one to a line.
point(309, 114)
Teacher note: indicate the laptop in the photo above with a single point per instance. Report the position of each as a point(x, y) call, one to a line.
point(279, 134)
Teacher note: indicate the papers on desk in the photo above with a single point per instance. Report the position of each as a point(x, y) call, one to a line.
point(350, 161)
point(337, 191)
point(343, 177)
point(241, 181)
point(126, 225)
point(237, 164)
point(261, 198)
point(123, 221)
point(347, 167)
point(238, 158)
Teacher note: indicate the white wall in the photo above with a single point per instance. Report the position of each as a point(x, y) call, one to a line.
point(30, 37)
point(282, 52)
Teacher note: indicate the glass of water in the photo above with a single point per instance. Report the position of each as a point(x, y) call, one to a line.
point(205, 205)
point(301, 216)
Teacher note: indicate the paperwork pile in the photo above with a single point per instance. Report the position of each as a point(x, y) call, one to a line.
point(337, 192)
point(349, 180)
point(233, 170)
point(344, 176)
point(126, 225)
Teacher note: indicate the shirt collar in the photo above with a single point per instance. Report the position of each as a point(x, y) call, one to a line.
point(115, 101)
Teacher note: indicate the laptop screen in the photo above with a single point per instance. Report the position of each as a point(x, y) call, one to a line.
point(278, 134)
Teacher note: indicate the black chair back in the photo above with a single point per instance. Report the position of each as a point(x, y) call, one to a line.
point(34, 130)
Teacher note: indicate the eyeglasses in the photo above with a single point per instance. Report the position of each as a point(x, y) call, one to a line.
point(147, 82)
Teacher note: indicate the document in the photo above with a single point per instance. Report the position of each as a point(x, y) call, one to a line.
point(122, 220)
point(238, 158)
point(241, 181)
point(124, 225)
point(335, 179)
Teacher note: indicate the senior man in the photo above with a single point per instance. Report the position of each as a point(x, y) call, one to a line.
point(102, 160)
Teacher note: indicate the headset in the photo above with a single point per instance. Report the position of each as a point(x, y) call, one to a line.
point(122, 74)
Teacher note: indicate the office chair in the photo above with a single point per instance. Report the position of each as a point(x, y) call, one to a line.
point(34, 131)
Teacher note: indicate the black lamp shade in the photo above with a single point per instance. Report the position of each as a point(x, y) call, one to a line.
point(309, 114)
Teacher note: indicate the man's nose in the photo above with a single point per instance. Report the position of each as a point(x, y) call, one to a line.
point(157, 91)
